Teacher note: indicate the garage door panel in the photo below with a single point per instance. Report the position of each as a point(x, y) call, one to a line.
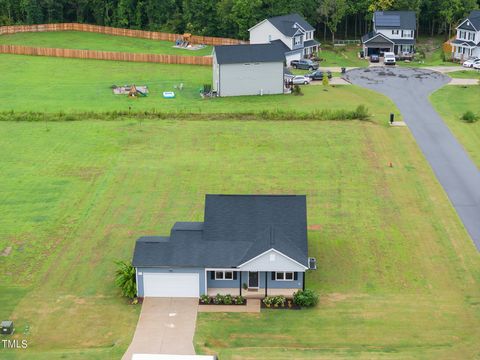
point(171, 284)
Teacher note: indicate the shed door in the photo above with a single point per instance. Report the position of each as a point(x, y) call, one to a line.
point(171, 284)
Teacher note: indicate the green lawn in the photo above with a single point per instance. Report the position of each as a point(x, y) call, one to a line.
point(341, 56)
point(465, 74)
point(95, 41)
point(84, 85)
point(431, 49)
point(451, 102)
point(398, 275)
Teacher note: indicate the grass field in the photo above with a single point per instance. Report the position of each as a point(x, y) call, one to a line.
point(398, 275)
point(84, 85)
point(465, 74)
point(451, 102)
point(342, 56)
point(95, 41)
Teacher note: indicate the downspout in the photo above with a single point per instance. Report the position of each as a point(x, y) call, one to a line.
point(266, 283)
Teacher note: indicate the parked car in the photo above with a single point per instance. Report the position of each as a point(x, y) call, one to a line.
point(318, 75)
point(301, 80)
point(477, 65)
point(471, 62)
point(305, 64)
point(389, 58)
point(374, 58)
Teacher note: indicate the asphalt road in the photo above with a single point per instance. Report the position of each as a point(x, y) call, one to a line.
point(409, 88)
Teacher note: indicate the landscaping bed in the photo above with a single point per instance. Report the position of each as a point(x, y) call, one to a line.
point(222, 300)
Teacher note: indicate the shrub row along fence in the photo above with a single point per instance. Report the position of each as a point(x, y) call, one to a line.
point(152, 35)
point(106, 55)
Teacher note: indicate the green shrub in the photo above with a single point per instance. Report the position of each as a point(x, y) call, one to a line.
point(325, 81)
point(218, 299)
point(297, 90)
point(469, 116)
point(279, 301)
point(205, 299)
point(268, 301)
point(228, 300)
point(240, 300)
point(361, 113)
point(126, 279)
point(305, 298)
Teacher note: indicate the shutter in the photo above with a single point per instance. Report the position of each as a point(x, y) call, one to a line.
point(212, 275)
point(273, 275)
point(295, 276)
point(234, 275)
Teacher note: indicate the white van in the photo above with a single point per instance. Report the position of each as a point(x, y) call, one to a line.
point(389, 58)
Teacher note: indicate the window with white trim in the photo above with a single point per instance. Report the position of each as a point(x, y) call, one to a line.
point(395, 32)
point(223, 275)
point(284, 276)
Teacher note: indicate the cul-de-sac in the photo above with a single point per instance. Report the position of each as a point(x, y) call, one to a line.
point(234, 179)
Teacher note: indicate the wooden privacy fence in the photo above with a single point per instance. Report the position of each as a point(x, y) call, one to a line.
point(153, 35)
point(106, 55)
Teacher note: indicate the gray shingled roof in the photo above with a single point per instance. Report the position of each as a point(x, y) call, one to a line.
point(463, 42)
point(236, 229)
point(395, 20)
point(473, 19)
point(285, 23)
point(237, 54)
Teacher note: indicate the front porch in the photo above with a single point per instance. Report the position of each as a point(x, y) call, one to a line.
point(253, 284)
point(252, 293)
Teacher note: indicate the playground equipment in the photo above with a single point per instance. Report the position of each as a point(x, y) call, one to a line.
point(134, 92)
point(131, 90)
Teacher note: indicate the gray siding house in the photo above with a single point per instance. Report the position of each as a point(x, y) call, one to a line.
point(292, 31)
point(249, 245)
point(248, 69)
point(393, 31)
point(467, 42)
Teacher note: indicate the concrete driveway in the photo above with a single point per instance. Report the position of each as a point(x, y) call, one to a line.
point(165, 326)
point(409, 88)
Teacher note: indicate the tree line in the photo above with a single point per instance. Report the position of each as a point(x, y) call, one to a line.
point(233, 18)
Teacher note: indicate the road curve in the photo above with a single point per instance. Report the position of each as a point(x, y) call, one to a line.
point(409, 88)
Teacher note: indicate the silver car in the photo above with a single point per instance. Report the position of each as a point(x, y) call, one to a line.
point(301, 80)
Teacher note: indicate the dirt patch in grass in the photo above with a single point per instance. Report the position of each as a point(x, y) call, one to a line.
point(315, 227)
point(6, 251)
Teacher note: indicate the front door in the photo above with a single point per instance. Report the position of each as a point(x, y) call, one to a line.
point(253, 279)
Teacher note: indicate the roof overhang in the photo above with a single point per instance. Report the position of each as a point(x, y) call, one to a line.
point(379, 35)
point(254, 263)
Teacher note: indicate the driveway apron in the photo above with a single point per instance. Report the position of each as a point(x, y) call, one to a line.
point(165, 326)
point(409, 89)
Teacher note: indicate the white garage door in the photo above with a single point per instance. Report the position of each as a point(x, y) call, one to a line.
point(171, 285)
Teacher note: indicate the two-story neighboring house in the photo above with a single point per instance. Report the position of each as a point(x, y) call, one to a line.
point(291, 31)
point(467, 42)
point(393, 31)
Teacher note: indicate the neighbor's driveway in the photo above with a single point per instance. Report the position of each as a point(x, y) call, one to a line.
point(165, 326)
point(409, 88)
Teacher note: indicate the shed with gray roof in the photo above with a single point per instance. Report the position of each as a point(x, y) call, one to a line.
point(248, 69)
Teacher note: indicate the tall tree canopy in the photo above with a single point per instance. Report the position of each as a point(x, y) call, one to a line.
point(233, 18)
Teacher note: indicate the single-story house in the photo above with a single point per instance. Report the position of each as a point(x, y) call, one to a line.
point(249, 245)
point(393, 31)
point(248, 69)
